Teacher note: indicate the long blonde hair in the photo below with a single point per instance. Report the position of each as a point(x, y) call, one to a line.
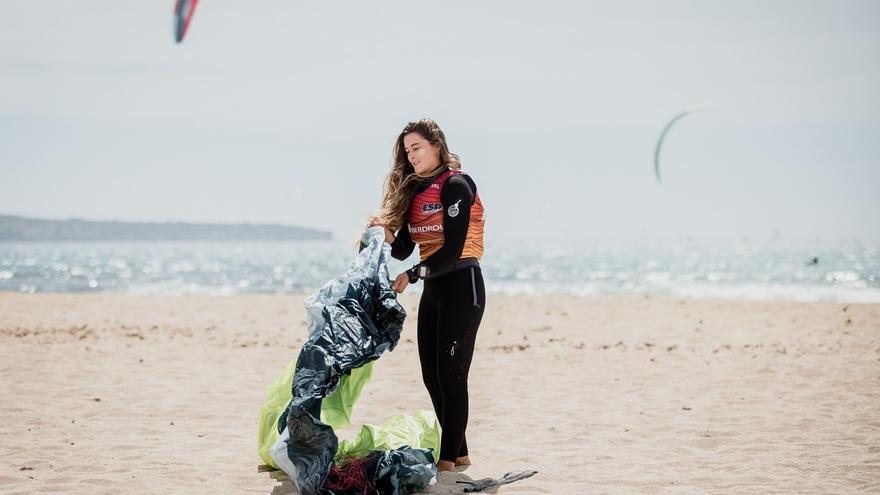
point(402, 181)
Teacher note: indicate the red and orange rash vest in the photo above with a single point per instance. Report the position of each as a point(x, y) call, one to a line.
point(425, 219)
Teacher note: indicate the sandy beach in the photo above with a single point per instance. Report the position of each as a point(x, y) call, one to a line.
point(623, 394)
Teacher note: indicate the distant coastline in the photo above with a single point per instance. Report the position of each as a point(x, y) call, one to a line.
point(16, 228)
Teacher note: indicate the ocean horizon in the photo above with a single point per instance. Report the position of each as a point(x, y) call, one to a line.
point(802, 271)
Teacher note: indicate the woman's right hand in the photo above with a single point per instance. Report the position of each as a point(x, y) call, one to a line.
point(400, 283)
point(374, 221)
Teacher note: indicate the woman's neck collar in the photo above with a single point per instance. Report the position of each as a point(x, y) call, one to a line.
point(433, 174)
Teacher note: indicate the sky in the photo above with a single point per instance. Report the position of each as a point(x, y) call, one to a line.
point(287, 111)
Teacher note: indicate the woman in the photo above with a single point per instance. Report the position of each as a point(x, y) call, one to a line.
point(428, 201)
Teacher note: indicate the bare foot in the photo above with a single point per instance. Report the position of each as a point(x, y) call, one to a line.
point(463, 461)
point(445, 466)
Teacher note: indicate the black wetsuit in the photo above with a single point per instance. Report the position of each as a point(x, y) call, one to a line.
point(449, 315)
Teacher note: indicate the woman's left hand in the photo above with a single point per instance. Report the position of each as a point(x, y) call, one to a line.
point(389, 235)
point(400, 283)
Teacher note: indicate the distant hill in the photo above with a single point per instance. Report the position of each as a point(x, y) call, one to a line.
point(13, 228)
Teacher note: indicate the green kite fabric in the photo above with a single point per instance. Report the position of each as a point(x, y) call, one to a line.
point(335, 409)
point(419, 431)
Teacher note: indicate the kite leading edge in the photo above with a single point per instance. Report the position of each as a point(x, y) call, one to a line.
point(183, 13)
point(663, 136)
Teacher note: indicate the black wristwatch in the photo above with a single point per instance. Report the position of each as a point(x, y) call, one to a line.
point(417, 272)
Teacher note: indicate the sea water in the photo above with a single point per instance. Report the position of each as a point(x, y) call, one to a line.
point(843, 271)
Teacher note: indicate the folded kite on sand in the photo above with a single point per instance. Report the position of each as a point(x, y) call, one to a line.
point(352, 321)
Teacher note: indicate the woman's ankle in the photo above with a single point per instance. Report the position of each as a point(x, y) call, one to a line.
point(445, 465)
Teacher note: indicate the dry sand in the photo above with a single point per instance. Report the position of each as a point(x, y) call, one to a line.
point(626, 394)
